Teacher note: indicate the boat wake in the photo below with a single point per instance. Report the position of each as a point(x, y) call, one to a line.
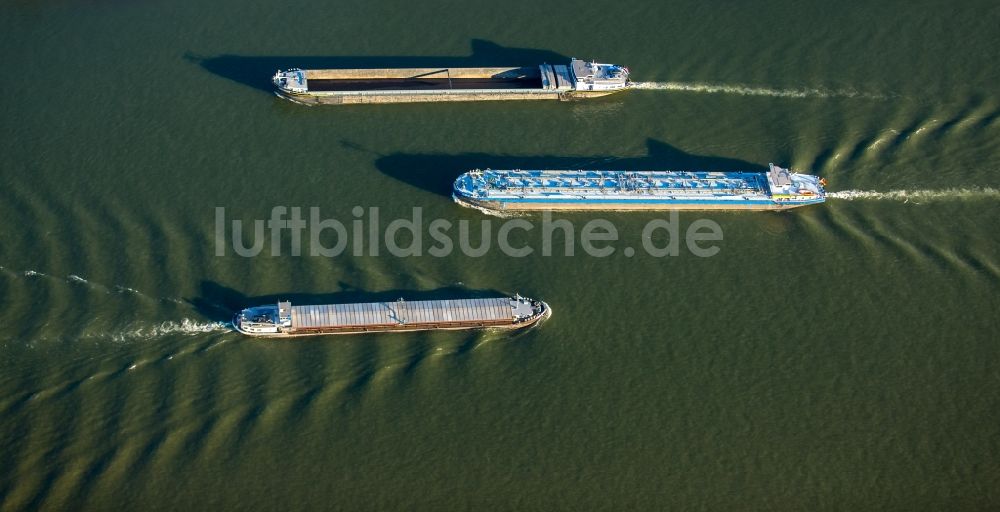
point(747, 90)
point(916, 195)
point(185, 327)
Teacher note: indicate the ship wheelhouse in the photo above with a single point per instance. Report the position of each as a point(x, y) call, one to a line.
point(293, 81)
point(593, 76)
point(786, 186)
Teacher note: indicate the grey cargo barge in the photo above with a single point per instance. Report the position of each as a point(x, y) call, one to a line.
point(577, 79)
point(285, 320)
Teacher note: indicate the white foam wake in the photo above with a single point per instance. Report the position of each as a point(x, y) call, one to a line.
point(913, 195)
point(184, 327)
point(748, 90)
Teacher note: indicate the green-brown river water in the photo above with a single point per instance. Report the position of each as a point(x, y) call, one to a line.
point(840, 357)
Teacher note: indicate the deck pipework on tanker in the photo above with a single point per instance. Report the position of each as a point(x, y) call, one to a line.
point(776, 189)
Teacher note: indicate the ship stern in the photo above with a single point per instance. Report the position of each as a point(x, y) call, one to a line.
point(791, 189)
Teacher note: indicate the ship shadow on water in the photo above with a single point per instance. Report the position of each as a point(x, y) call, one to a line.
point(437, 172)
point(256, 71)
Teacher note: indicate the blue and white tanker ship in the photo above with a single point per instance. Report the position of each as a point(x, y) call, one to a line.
point(499, 190)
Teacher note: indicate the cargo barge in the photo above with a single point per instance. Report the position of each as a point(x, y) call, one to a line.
point(776, 189)
point(282, 320)
point(577, 79)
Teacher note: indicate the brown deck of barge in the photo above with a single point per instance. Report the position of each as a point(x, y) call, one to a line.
point(423, 84)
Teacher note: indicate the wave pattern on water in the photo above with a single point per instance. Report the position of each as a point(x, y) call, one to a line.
point(908, 195)
point(73, 278)
point(749, 90)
